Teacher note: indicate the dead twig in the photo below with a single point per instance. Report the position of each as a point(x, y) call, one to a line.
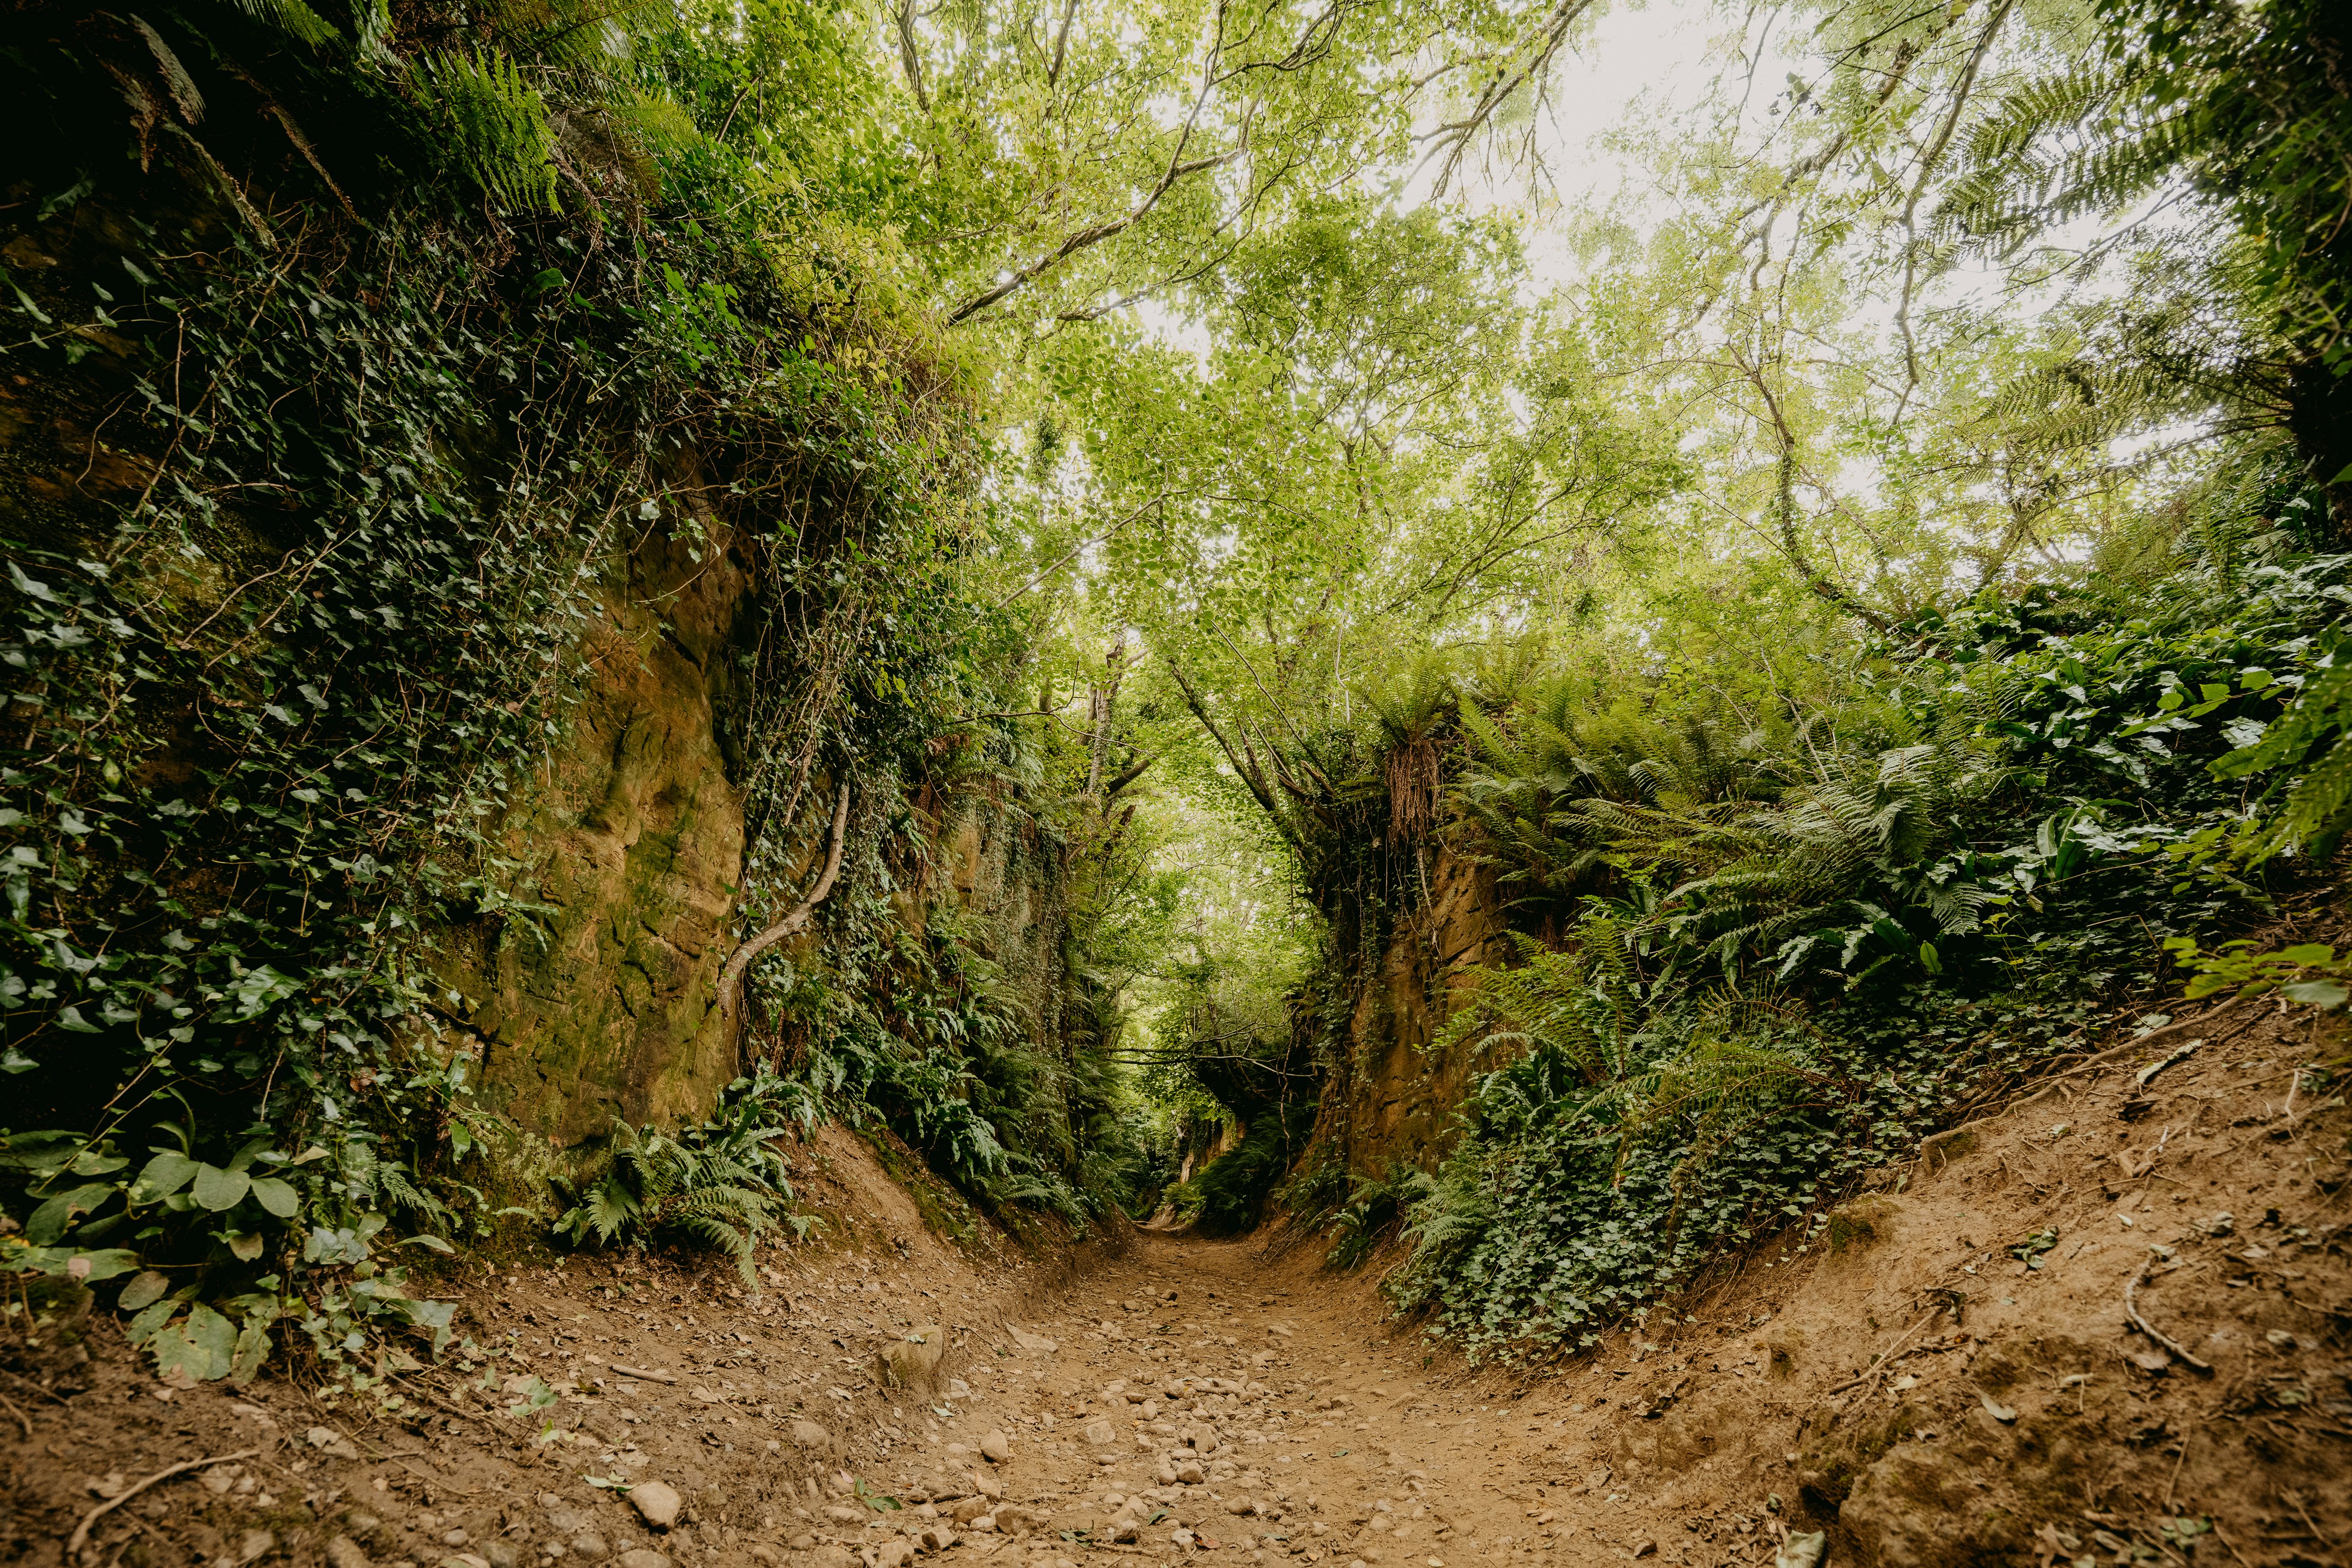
point(81, 1537)
point(16, 1410)
point(2048, 1086)
point(2132, 1311)
point(47, 1392)
point(1887, 1358)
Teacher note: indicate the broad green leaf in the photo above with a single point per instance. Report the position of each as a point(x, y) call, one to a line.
point(145, 1290)
point(53, 1218)
point(202, 1344)
point(252, 1347)
point(217, 1189)
point(2324, 994)
point(168, 1172)
point(277, 1196)
point(106, 1263)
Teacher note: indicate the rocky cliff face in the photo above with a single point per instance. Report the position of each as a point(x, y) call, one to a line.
point(602, 1005)
point(1397, 1099)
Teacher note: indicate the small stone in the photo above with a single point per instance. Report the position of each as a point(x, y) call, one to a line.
point(1100, 1433)
point(895, 1553)
point(455, 1538)
point(657, 1502)
point(995, 1448)
point(342, 1551)
point(589, 1547)
point(842, 1514)
point(566, 1521)
point(935, 1538)
point(643, 1557)
point(958, 1388)
point(1190, 1473)
point(1646, 1549)
point(332, 1443)
point(804, 1542)
point(808, 1435)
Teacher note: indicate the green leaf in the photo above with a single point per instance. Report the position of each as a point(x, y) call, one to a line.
point(144, 1290)
point(202, 1344)
point(431, 1243)
point(167, 1172)
point(53, 1218)
point(104, 1264)
point(2307, 954)
point(150, 1319)
point(2326, 995)
point(252, 1345)
point(277, 1196)
point(1932, 960)
point(244, 1245)
point(218, 1189)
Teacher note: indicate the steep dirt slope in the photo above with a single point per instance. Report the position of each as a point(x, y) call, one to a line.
point(1911, 1388)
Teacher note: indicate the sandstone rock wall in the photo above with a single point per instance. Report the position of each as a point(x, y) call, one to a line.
point(601, 1005)
point(1397, 1101)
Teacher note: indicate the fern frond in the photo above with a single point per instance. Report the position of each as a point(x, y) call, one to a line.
point(498, 122)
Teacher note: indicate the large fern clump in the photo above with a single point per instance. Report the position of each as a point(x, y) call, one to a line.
point(721, 1185)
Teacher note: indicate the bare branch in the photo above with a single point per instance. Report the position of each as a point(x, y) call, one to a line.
point(731, 979)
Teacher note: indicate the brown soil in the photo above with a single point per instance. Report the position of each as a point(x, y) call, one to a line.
point(1908, 1385)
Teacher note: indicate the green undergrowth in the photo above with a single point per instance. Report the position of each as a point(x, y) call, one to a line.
point(1788, 956)
point(293, 618)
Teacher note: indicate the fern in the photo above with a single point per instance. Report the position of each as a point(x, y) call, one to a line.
point(498, 123)
point(2315, 735)
point(293, 18)
point(721, 1185)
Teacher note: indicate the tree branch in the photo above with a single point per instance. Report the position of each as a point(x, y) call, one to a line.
point(731, 979)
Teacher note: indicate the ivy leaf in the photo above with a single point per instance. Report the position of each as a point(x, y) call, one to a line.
point(202, 1344)
point(40, 590)
point(218, 1189)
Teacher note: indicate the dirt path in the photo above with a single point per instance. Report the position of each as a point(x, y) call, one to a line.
point(1946, 1376)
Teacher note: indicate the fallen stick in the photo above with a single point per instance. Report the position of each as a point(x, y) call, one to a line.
point(621, 1371)
point(2132, 1311)
point(81, 1532)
